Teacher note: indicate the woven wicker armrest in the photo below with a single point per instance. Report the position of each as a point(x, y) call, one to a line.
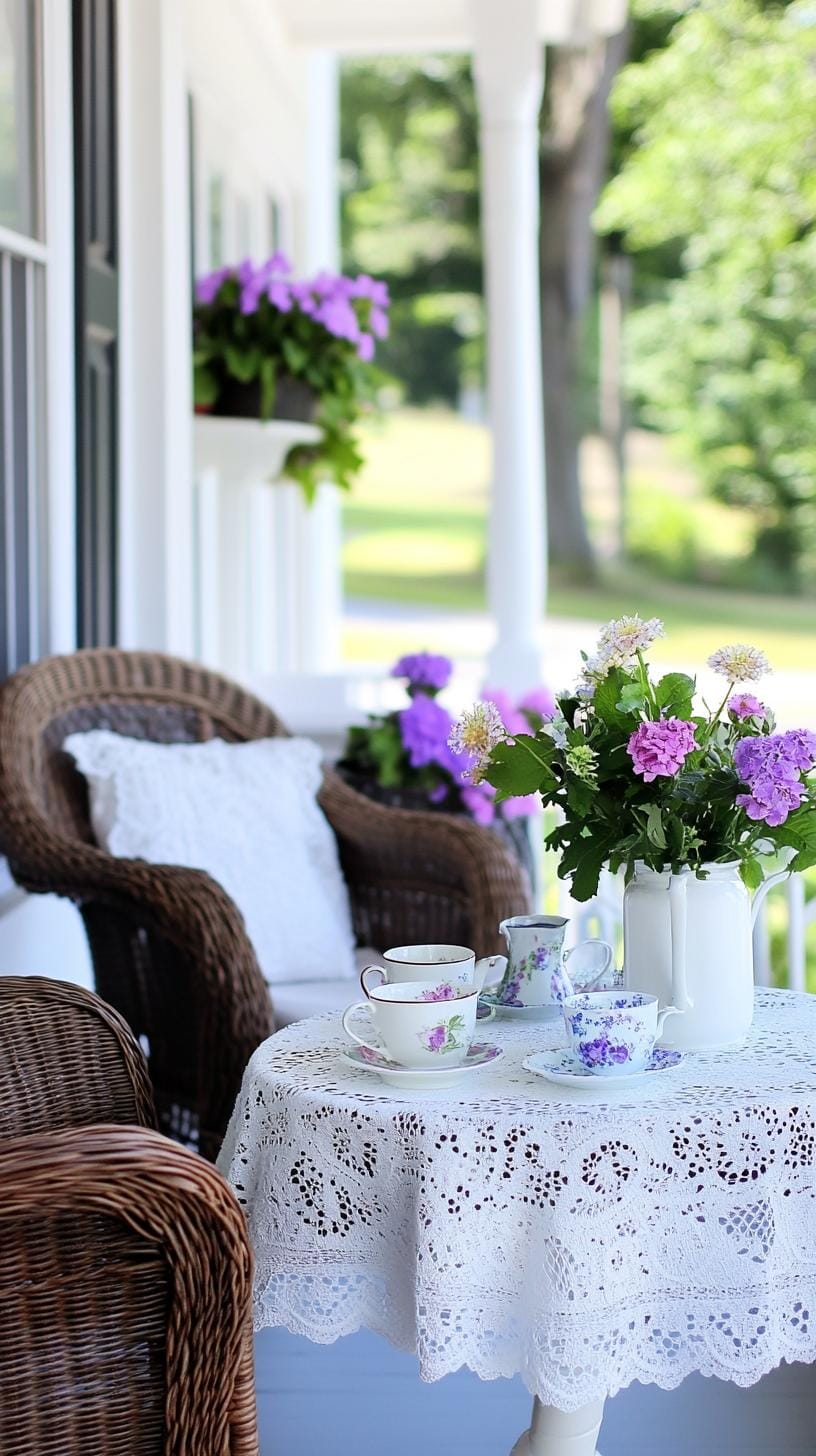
point(214, 991)
point(125, 1282)
point(417, 876)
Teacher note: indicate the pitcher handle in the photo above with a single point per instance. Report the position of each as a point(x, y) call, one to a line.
point(681, 1000)
point(761, 892)
point(595, 980)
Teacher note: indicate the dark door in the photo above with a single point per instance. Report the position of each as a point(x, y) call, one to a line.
point(97, 310)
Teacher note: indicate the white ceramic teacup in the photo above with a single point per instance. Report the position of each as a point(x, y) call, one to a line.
point(614, 1032)
point(417, 1027)
point(433, 963)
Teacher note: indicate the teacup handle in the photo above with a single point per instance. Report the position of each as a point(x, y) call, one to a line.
point(364, 972)
point(349, 1011)
point(491, 1016)
point(608, 959)
point(489, 971)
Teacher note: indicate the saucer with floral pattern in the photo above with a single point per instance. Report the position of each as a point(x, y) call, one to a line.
point(363, 1059)
point(562, 1067)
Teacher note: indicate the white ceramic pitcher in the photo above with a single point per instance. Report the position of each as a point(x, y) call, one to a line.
point(688, 942)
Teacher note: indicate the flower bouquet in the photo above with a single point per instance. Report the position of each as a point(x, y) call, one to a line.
point(268, 345)
point(405, 757)
point(640, 773)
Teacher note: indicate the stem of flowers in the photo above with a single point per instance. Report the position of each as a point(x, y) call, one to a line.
point(651, 696)
point(715, 717)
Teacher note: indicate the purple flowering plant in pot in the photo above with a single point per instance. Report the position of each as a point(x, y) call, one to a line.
point(405, 757)
point(643, 775)
point(267, 345)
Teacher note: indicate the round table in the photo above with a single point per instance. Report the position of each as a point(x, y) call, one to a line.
point(581, 1241)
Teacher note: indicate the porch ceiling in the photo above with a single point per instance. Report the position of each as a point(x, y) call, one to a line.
point(354, 26)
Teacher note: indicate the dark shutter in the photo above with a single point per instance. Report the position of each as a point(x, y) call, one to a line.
point(97, 309)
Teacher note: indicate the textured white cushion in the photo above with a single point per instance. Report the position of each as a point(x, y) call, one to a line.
point(294, 1000)
point(247, 813)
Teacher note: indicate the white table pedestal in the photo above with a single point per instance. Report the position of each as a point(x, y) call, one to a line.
point(561, 1433)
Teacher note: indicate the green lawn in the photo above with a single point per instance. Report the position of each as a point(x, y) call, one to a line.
point(415, 529)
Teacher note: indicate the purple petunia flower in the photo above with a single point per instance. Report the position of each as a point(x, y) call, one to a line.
point(424, 726)
point(478, 799)
point(279, 294)
point(365, 348)
point(539, 701)
point(660, 749)
point(514, 721)
point(208, 286)
point(424, 670)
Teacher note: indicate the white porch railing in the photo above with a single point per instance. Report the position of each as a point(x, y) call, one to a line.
point(602, 916)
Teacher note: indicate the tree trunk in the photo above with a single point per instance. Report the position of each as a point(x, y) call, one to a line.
point(574, 159)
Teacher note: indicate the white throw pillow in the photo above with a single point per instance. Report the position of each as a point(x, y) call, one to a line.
point(247, 813)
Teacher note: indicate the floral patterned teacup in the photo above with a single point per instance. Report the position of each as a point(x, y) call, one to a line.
point(435, 964)
point(536, 974)
point(614, 1032)
point(419, 1025)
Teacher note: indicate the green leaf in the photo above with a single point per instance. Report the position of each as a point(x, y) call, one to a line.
point(608, 694)
point(387, 751)
point(632, 698)
point(268, 382)
point(675, 694)
point(588, 872)
point(205, 386)
point(654, 826)
point(243, 364)
point(519, 768)
point(751, 873)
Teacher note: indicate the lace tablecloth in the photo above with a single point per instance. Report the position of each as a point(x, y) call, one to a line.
point(507, 1226)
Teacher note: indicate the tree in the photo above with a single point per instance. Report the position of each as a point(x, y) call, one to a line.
point(411, 211)
point(575, 145)
point(723, 169)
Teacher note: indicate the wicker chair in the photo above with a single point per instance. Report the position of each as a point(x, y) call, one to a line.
point(125, 1272)
point(168, 945)
point(125, 1280)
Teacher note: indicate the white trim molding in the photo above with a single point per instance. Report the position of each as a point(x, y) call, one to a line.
point(155, 443)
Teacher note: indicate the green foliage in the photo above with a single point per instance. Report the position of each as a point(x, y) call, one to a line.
point(410, 212)
point(720, 175)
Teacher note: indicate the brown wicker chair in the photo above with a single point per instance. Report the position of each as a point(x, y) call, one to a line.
point(125, 1280)
point(66, 1060)
point(169, 947)
point(125, 1271)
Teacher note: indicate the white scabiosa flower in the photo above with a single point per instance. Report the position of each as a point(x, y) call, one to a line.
point(740, 663)
point(622, 638)
point(476, 734)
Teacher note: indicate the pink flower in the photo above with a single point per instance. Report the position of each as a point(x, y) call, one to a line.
point(745, 705)
point(436, 1039)
point(478, 801)
point(520, 807)
point(660, 749)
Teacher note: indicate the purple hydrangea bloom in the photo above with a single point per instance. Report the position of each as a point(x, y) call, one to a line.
point(424, 726)
point(660, 749)
point(746, 705)
point(424, 670)
point(770, 767)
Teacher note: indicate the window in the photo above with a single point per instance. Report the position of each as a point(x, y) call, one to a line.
point(23, 614)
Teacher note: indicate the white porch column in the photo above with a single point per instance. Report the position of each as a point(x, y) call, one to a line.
point(509, 79)
point(318, 596)
point(156, 464)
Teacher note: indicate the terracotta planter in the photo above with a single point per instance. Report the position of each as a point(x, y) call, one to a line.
point(294, 400)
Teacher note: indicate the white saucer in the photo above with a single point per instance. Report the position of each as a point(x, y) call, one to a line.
point(481, 1054)
point(519, 1013)
point(561, 1067)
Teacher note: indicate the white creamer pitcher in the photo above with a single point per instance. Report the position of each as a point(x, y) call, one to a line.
point(688, 941)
